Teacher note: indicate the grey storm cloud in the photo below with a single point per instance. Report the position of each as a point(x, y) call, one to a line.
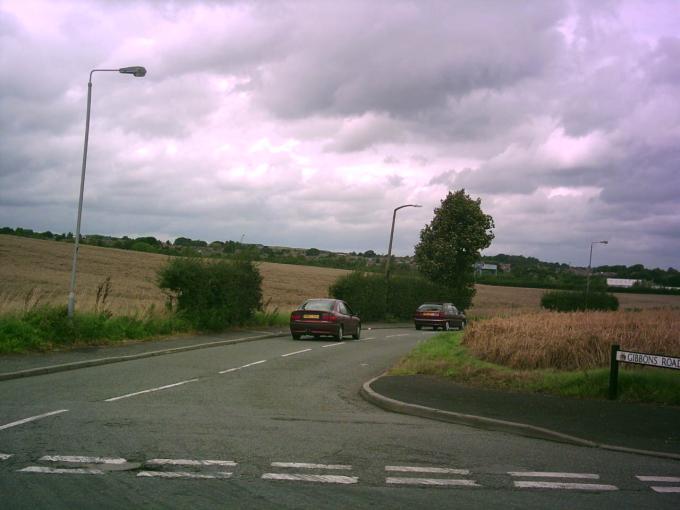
point(263, 118)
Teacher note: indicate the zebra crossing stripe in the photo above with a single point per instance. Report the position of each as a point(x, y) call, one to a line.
point(669, 479)
point(5, 456)
point(551, 474)
point(417, 469)
point(82, 460)
point(305, 465)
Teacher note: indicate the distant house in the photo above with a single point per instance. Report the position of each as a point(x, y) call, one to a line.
point(481, 268)
point(625, 283)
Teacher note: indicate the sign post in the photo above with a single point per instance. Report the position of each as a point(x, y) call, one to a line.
point(638, 358)
point(613, 373)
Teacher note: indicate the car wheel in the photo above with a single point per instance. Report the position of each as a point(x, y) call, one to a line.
point(357, 335)
point(418, 327)
point(341, 334)
point(296, 336)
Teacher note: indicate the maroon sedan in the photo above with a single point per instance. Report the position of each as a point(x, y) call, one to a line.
point(439, 315)
point(329, 317)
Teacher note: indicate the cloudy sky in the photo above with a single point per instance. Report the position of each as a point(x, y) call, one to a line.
point(305, 123)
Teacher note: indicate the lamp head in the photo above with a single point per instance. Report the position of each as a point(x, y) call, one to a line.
point(137, 71)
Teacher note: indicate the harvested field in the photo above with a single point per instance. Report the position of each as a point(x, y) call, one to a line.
point(35, 271)
point(572, 341)
point(38, 271)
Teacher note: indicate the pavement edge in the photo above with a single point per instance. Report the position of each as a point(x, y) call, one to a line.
point(130, 357)
point(523, 429)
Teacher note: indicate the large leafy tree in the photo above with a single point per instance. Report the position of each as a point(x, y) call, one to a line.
point(450, 245)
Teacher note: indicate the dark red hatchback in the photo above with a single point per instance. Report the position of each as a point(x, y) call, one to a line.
point(439, 315)
point(325, 317)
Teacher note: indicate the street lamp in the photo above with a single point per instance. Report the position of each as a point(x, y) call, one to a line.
point(389, 251)
point(137, 71)
point(590, 261)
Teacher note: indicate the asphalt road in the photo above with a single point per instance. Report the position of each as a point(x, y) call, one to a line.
point(279, 423)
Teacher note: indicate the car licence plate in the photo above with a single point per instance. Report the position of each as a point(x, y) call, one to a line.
point(310, 316)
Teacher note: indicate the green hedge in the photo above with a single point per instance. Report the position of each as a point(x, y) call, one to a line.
point(366, 294)
point(568, 301)
point(213, 295)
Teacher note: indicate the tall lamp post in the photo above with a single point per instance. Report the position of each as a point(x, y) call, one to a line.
point(590, 261)
point(139, 72)
point(389, 251)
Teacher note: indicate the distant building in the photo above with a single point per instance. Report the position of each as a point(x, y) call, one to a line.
point(625, 283)
point(481, 268)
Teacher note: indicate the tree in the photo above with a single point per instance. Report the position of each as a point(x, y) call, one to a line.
point(451, 244)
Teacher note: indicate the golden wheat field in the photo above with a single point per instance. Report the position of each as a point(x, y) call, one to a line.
point(34, 271)
point(573, 341)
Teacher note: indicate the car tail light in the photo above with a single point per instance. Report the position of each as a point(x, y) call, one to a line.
point(329, 317)
point(295, 316)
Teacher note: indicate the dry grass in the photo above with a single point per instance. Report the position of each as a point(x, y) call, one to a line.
point(572, 340)
point(34, 271)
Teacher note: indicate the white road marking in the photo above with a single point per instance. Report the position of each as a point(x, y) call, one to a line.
point(333, 345)
point(112, 399)
point(666, 489)
point(433, 481)
point(305, 465)
point(416, 469)
point(563, 485)
point(369, 338)
point(182, 474)
point(187, 462)
point(32, 418)
point(82, 460)
point(5, 456)
point(670, 479)
point(244, 366)
point(394, 336)
point(60, 471)
point(550, 474)
point(311, 478)
point(296, 352)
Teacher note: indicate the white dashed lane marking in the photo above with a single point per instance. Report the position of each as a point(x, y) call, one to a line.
point(311, 478)
point(32, 418)
point(420, 469)
point(294, 353)
point(532, 484)
point(552, 474)
point(667, 489)
point(188, 462)
point(333, 345)
point(5, 456)
point(432, 470)
point(306, 465)
point(395, 336)
point(565, 485)
point(151, 390)
point(61, 471)
point(243, 366)
point(449, 482)
point(308, 477)
point(82, 460)
point(182, 474)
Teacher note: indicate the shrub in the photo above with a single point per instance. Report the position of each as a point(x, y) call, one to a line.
point(374, 300)
point(570, 301)
point(213, 294)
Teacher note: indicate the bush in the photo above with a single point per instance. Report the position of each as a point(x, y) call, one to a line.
point(213, 294)
point(366, 293)
point(570, 301)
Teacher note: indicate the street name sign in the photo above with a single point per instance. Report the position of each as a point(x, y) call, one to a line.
point(654, 360)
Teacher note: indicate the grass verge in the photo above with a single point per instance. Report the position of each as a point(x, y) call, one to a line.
point(443, 355)
point(48, 328)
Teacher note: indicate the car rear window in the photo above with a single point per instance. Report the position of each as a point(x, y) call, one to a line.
point(429, 308)
point(324, 305)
